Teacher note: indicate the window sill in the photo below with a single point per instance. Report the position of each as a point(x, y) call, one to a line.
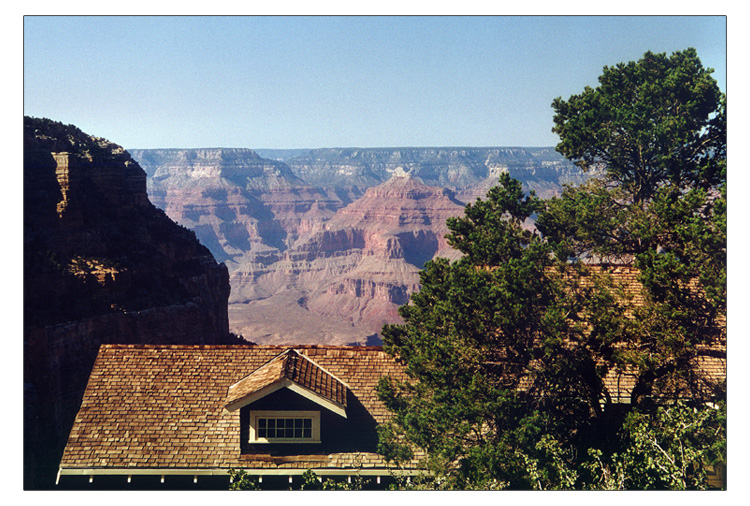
point(282, 442)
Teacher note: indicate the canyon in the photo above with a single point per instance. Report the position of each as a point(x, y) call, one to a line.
point(224, 246)
point(322, 246)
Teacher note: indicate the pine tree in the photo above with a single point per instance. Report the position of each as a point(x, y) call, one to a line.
point(507, 348)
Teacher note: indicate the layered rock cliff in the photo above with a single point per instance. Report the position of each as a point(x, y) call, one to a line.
point(102, 264)
point(468, 171)
point(356, 269)
point(237, 203)
point(323, 246)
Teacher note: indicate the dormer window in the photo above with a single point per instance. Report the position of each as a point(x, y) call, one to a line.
point(284, 427)
point(271, 415)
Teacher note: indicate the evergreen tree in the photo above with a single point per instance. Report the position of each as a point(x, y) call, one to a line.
point(660, 119)
point(658, 126)
point(507, 348)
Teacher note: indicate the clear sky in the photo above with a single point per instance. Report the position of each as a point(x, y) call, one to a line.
point(308, 82)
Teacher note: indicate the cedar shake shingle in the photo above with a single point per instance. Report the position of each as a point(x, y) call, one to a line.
point(163, 406)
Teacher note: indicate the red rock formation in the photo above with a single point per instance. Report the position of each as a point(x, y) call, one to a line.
point(305, 266)
point(355, 269)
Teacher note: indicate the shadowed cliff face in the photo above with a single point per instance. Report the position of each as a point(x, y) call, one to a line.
point(90, 229)
point(101, 265)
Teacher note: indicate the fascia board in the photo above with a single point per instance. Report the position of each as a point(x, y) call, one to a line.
point(294, 387)
point(261, 471)
point(316, 398)
point(267, 390)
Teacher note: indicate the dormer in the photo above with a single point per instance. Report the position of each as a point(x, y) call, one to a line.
point(271, 416)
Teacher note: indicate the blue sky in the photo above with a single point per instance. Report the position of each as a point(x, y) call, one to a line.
point(307, 82)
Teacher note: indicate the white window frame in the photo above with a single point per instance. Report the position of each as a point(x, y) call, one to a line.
point(255, 415)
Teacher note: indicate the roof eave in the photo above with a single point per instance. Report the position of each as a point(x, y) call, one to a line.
point(220, 471)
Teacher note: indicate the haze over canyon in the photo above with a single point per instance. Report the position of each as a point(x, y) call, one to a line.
point(323, 245)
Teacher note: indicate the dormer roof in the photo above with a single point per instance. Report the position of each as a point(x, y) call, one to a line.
point(295, 371)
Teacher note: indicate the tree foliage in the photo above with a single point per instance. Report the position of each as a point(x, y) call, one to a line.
point(669, 449)
point(507, 348)
point(240, 480)
point(311, 481)
point(660, 119)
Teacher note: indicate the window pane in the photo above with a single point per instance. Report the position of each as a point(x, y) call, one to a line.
point(284, 428)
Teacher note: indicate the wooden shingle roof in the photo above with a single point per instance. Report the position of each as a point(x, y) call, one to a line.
point(163, 407)
point(710, 362)
point(175, 407)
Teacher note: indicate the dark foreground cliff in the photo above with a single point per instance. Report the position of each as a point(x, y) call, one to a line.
point(101, 265)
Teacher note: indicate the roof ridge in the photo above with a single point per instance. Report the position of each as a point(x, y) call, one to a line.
point(288, 369)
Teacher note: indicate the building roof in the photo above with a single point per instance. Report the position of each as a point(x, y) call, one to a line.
point(163, 407)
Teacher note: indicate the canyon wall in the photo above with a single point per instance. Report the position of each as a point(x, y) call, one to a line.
point(323, 245)
point(238, 204)
point(343, 280)
point(102, 264)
